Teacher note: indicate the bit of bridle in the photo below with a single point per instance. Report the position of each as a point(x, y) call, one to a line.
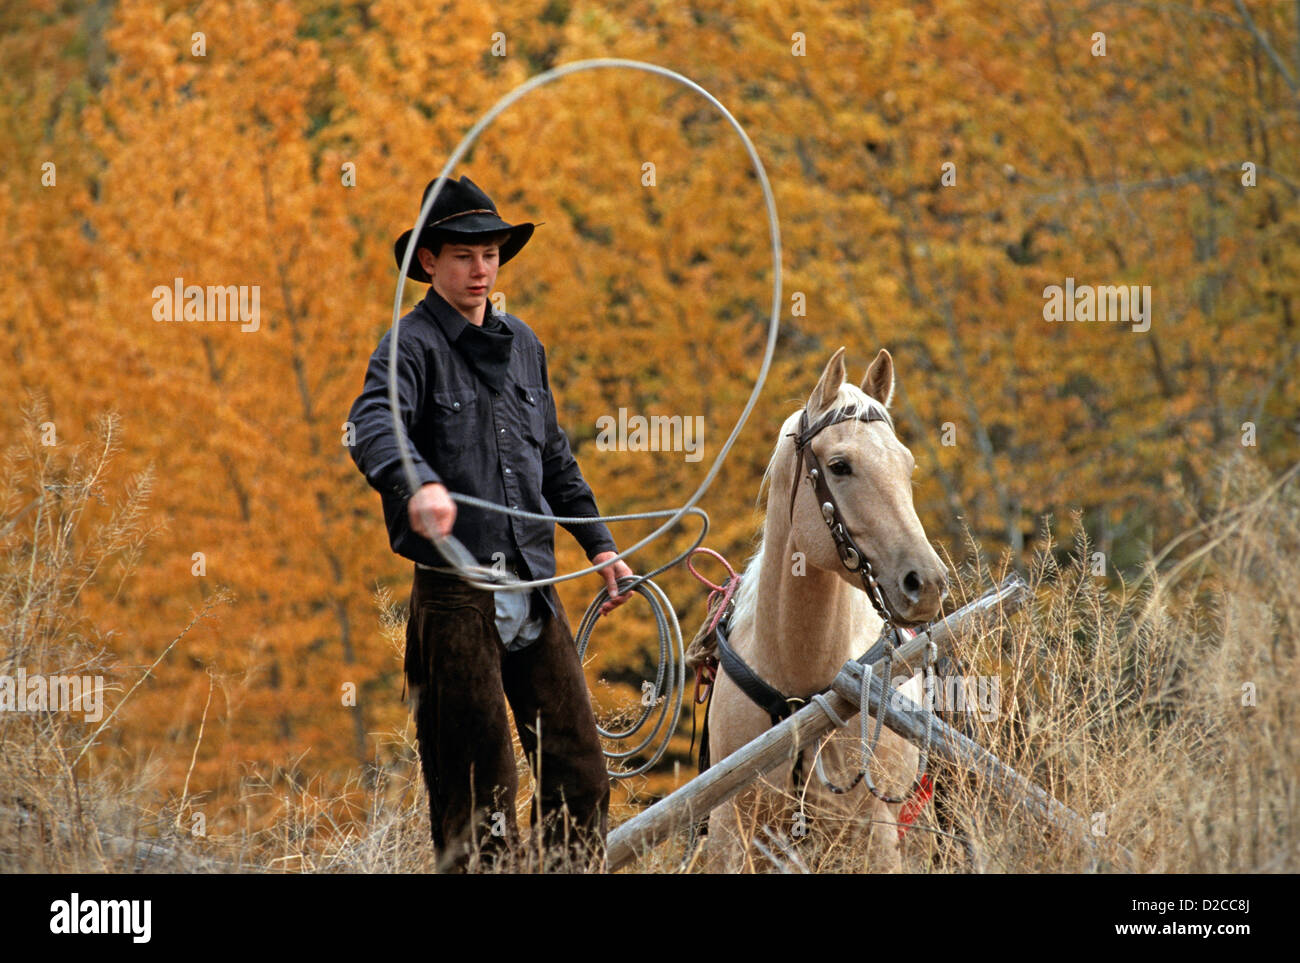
point(851, 555)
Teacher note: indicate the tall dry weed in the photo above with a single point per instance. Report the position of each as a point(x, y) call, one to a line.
point(1160, 707)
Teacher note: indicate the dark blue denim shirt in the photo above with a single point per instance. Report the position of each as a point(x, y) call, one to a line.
point(503, 446)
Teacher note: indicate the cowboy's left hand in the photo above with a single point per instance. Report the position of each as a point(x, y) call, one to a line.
point(611, 575)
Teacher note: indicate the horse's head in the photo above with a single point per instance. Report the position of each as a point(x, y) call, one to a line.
point(868, 472)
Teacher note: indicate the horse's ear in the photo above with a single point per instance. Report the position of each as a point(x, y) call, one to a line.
point(823, 396)
point(879, 382)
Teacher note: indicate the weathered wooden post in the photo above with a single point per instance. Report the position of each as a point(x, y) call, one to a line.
point(693, 801)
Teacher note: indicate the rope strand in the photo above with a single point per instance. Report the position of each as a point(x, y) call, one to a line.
point(459, 558)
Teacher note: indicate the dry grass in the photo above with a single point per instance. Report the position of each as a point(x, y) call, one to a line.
point(1162, 710)
point(1129, 702)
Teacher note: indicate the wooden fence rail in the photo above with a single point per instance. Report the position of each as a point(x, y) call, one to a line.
point(729, 776)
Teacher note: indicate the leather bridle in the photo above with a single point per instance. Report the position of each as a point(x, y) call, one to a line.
point(852, 557)
point(772, 700)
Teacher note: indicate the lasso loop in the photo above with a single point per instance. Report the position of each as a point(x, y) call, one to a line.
point(671, 664)
point(456, 553)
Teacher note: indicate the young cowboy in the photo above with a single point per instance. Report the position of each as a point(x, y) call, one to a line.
point(478, 413)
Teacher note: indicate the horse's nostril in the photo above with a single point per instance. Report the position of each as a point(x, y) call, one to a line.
point(912, 586)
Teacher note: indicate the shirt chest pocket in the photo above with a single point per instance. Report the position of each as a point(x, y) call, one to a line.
point(532, 418)
point(455, 424)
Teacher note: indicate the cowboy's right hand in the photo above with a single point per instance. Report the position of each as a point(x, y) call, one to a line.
point(431, 510)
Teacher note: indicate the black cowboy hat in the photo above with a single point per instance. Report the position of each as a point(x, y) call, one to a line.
point(461, 208)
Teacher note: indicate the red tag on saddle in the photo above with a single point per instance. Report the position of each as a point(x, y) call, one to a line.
point(914, 805)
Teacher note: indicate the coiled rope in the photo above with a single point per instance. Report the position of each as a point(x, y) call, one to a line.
point(869, 745)
point(671, 666)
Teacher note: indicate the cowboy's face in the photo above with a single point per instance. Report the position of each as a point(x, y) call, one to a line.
point(463, 274)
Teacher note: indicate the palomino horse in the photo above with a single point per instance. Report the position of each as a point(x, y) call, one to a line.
point(800, 613)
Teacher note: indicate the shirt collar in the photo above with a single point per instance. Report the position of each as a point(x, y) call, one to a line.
point(448, 318)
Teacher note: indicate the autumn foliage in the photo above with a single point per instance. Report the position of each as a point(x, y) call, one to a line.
point(936, 167)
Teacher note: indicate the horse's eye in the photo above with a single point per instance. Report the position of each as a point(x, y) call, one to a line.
point(840, 468)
